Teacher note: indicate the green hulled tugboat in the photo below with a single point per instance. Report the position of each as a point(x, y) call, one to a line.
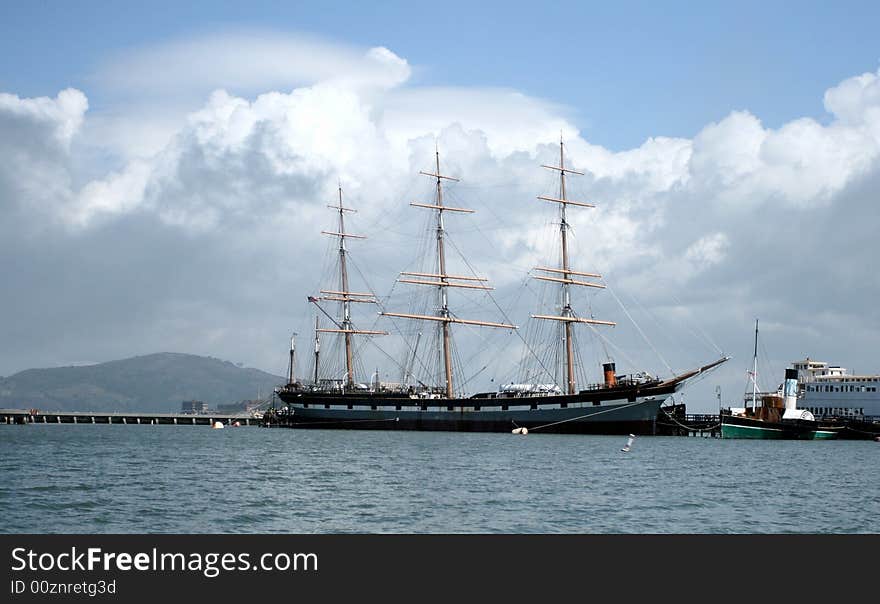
point(777, 415)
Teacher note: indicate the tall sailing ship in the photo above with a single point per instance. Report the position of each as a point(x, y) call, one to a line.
point(621, 404)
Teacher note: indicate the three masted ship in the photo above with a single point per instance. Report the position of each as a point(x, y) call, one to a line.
point(621, 404)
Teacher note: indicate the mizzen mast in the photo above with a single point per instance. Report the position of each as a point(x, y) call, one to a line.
point(565, 275)
point(443, 280)
point(345, 296)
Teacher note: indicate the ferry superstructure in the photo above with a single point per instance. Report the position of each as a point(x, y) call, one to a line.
point(829, 390)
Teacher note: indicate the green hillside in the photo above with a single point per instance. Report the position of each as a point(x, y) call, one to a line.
point(155, 382)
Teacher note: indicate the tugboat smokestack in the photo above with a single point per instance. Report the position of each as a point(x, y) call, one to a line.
point(790, 389)
point(610, 378)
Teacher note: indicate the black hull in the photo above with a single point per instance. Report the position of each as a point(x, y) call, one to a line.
point(638, 427)
point(858, 429)
point(621, 410)
point(629, 407)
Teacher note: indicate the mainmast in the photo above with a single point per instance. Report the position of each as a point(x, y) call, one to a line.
point(567, 316)
point(755, 373)
point(346, 302)
point(441, 290)
point(291, 370)
point(345, 296)
point(442, 280)
point(317, 347)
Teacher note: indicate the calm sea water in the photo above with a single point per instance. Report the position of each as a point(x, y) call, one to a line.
point(191, 479)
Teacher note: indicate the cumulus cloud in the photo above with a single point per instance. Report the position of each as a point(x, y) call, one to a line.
point(856, 101)
point(214, 231)
point(60, 117)
point(35, 150)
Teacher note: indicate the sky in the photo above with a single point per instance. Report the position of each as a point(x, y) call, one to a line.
point(165, 171)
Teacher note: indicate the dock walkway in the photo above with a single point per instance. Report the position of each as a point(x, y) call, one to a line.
point(31, 416)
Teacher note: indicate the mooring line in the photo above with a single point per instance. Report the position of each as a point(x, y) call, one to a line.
point(666, 413)
point(571, 419)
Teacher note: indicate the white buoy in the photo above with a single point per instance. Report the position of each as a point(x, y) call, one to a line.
point(218, 425)
point(626, 448)
point(520, 431)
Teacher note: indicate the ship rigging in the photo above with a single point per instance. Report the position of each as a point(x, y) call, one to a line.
point(621, 404)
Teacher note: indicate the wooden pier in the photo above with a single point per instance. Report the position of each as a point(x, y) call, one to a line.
point(674, 420)
point(30, 416)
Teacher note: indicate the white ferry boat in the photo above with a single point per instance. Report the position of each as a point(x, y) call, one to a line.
point(828, 390)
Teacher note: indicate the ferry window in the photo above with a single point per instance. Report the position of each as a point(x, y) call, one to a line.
point(326, 406)
point(504, 407)
point(373, 407)
point(563, 405)
point(424, 407)
point(533, 406)
point(450, 408)
point(397, 407)
point(350, 406)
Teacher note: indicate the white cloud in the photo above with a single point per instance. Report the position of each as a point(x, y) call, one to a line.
point(510, 120)
point(243, 180)
point(35, 139)
point(706, 251)
point(249, 61)
point(62, 116)
point(856, 101)
point(117, 193)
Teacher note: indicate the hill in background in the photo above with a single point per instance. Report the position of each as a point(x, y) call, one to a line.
point(153, 383)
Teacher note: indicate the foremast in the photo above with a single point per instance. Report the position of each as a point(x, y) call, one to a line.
point(345, 296)
point(442, 280)
point(565, 275)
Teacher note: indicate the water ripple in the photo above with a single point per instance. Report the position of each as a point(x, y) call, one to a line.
point(182, 479)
